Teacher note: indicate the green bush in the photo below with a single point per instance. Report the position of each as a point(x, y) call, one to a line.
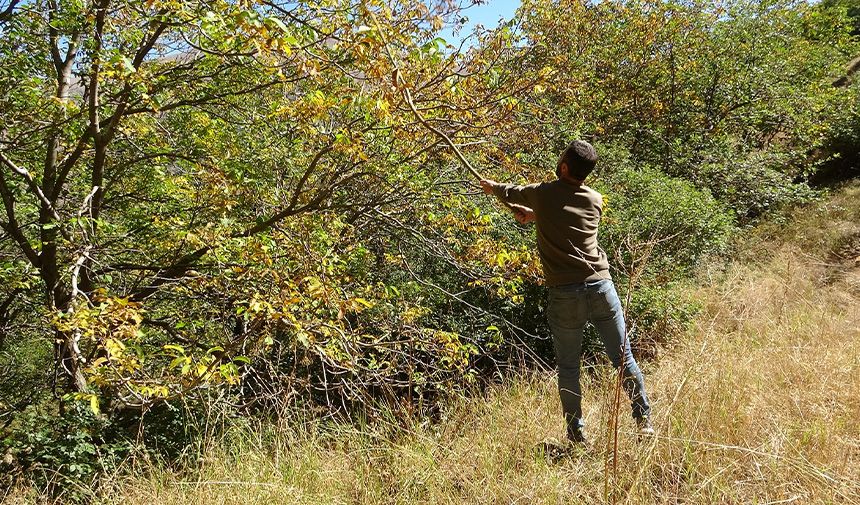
point(657, 314)
point(655, 231)
point(64, 451)
point(659, 223)
point(752, 184)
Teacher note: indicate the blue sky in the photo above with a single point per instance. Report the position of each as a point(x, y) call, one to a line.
point(487, 14)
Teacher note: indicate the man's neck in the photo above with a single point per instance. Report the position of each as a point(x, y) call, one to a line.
point(572, 180)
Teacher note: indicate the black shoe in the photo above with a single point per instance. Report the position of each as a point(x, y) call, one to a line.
point(574, 434)
point(643, 427)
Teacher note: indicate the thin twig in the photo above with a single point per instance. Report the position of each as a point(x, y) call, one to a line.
point(400, 83)
point(224, 483)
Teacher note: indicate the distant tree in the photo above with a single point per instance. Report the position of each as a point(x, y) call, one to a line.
point(739, 88)
point(852, 10)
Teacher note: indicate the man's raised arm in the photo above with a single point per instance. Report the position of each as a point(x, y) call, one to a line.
point(522, 213)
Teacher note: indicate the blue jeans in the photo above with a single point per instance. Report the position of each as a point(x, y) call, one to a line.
point(570, 307)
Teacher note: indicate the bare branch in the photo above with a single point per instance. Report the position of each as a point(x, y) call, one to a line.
point(65, 165)
point(169, 274)
point(147, 46)
point(7, 13)
point(206, 98)
point(291, 207)
point(76, 269)
point(12, 227)
point(31, 183)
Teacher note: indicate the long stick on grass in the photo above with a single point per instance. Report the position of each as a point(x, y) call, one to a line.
point(636, 268)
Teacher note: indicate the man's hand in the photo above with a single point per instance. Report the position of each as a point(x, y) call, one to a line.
point(487, 186)
point(523, 214)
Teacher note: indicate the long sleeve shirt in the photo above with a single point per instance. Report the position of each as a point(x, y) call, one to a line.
point(566, 217)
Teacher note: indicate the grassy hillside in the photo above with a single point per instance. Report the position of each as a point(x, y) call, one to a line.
point(761, 404)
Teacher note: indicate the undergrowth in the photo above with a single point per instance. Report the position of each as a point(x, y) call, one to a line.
point(758, 405)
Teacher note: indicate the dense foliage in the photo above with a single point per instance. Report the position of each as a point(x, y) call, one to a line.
point(257, 197)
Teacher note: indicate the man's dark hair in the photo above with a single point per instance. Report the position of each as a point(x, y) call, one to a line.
point(580, 158)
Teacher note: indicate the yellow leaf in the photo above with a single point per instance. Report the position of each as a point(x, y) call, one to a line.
point(364, 302)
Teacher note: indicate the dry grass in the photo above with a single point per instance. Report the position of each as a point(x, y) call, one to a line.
point(761, 405)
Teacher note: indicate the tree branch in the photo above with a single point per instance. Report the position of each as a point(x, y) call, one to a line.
point(65, 166)
point(206, 98)
point(168, 274)
point(12, 227)
point(148, 45)
point(291, 207)
point(7, 13)
point(31, 183)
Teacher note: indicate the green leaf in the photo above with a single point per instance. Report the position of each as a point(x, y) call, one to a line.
point(277, 23)
point(128, 65)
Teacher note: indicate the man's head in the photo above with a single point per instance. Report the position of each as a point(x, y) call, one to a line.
point(580, 158)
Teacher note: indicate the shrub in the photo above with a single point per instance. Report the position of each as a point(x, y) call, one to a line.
point(660, 223)
point(64, 451)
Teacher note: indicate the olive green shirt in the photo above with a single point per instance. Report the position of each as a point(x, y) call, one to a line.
point(566, 217)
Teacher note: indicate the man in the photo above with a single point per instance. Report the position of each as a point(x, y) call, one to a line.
point(567, 213)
